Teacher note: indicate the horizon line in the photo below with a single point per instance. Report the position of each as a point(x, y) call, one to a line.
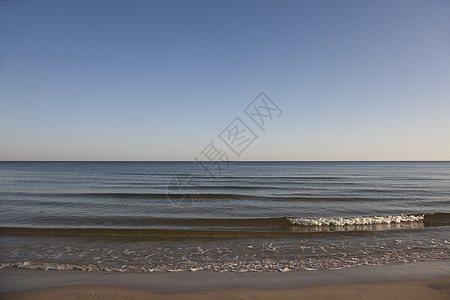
point(439, 160)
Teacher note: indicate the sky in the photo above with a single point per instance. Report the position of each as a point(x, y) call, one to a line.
point(161, 80)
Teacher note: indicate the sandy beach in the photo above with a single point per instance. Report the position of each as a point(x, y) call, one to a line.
point(421, 289)
point(427, 280)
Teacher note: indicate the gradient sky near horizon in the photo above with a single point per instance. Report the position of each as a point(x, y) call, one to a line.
point(159, 80)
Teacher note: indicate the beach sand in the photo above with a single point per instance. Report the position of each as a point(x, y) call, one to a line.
point(429, 280)
point(418, 289)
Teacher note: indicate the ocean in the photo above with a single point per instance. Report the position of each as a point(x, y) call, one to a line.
point(241, 216)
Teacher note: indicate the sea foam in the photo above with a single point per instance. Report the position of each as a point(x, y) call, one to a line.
point(369, 220)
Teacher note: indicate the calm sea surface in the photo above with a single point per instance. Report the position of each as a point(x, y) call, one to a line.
point(241, 216)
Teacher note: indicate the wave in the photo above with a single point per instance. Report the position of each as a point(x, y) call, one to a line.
point(371, 220)
point(173, 228)
point(195, 194)
point(276, 177)
point(431, 219)
point(428, 220)
point(216, 196)
point(281, 177)
point(198, 193)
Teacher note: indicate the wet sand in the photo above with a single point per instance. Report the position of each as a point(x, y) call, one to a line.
point(427, 280)
point(419, 289)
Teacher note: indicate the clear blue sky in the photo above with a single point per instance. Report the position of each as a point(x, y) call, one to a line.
point(159, 80)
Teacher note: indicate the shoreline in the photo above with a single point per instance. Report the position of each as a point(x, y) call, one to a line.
point(428, 279)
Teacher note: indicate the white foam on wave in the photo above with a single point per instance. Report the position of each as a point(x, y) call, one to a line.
point(356, 220)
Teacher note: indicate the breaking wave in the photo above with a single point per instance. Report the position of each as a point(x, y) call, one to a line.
point(370, 220)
